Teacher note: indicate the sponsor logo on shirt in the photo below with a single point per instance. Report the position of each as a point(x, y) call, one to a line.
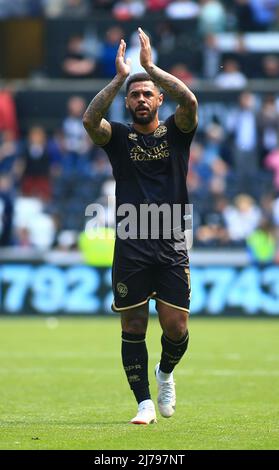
point(158, 152)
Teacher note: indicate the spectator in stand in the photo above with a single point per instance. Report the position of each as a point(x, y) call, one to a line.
point(261, 244)
point(125, 10)
point(8, 153)
point(275, 25)
point(77, 145)
point(271, 162)
point(156, 5)
point(193, 179)
point(23, 238)
point(6, 210)
point(212, 17)
point(211, 57)
point(213, 145)
point(33, 226)
point(81, 60)
point(101, 168)
point(65, 164)
point(76, 8)
point(270, 211)
point(219, 177)
point(248, 62)
point(8, 117)
point(266, 204)
point(212, 170)
point(57, 152)
point(264, 13)
point(199, 172)
point(182, 10)
point(242, 126)
point(244, 15)
point(242, 218)
point(182, 72)
point(53, 8)
point(73, 128)
point(166, 39)
point(270, 67)
point(66, 241)
point(35, 165)
point(113, 36)
point(275, 212)
point(231, 76)
point(268, 126)
point(212, 230)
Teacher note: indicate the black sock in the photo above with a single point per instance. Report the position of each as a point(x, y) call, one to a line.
point(135, 363)
point(172, 352)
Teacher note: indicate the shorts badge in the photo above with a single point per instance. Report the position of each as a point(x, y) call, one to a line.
point(122, 289)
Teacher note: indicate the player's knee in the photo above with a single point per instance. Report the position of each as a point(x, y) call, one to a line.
point(135, 321)
point(134, 324)
point(135, 327)
point(176, 330)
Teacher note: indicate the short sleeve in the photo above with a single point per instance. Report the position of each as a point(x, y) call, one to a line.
point(118, 131)
point(176, 135)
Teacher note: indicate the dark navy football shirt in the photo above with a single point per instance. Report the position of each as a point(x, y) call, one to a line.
point(150, 168)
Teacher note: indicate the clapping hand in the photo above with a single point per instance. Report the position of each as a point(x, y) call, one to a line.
point(123, 67)
point(145, 49)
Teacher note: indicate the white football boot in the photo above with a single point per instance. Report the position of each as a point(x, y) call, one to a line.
point(146, 413)
point(166, 395)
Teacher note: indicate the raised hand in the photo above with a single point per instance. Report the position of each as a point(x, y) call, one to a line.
point(145, 49)
point(123, 68)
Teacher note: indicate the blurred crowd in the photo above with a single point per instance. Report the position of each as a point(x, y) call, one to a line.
point(228, 42)
point(49, 176)
point(217, 15)
point(227, 61)
point(47, 181)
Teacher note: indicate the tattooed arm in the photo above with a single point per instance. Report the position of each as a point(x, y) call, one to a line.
point(186, 117)
point(93, 120)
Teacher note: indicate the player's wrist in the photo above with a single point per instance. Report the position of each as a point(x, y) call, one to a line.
point(148, 66)
point(121, 77)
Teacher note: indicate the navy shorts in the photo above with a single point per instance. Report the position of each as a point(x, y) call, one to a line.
point(144, 269)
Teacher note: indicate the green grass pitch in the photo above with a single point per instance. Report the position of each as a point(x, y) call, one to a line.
point(62, 386)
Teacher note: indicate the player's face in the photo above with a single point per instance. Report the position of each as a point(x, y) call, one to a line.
point(143, 101)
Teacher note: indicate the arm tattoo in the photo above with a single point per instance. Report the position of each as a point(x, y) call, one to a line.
point(95, 124)
point(186, 112)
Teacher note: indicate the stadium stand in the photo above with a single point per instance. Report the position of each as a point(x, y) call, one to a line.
point(228, 52)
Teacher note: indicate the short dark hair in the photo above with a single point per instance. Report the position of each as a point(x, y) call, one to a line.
point(140, 77)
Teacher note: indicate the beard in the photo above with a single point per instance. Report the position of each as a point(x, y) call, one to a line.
point(143, 119)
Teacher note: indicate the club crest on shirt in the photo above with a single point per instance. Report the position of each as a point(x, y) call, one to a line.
point(133, 136)
point(160, 131)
